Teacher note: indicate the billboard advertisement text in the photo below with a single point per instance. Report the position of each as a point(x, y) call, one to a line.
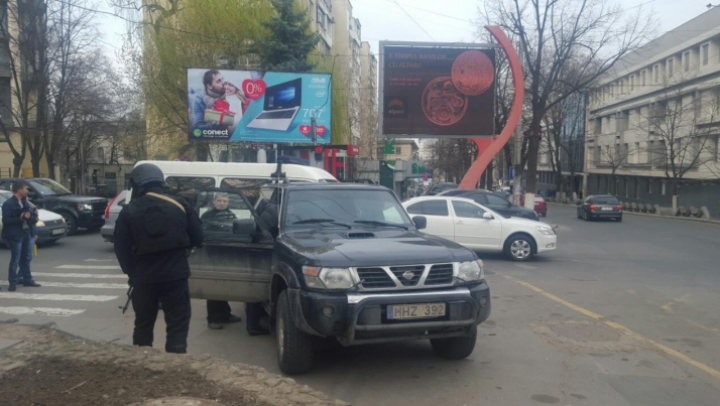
point(439, 90)
point(257, 106)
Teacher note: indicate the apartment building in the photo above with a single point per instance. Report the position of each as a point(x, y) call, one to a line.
point(368, 103)
point(653, 123)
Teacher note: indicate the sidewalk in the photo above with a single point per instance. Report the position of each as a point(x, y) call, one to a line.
point(42, 365)
point(657, 216)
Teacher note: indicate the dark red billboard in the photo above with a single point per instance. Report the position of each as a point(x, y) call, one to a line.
point(437, 91)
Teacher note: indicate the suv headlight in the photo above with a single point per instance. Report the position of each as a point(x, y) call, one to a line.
point(327, 278)
point(40, 223)
point(545, 230)
point(83, 207)
point(472, 271)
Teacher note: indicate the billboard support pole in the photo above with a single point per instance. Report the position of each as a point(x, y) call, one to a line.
point(486, 155)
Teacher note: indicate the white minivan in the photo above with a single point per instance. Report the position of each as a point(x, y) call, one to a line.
point(217, 272)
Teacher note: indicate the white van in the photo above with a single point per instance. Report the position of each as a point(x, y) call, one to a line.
point(216, 272)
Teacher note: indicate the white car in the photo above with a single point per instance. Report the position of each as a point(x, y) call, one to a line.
point(477, 227)
point(50, 226)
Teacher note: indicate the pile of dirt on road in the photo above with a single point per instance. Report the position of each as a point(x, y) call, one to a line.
point(45, 367)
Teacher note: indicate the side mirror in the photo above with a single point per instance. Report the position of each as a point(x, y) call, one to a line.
point(488, 216)
point(244, 227)
point(420, 222)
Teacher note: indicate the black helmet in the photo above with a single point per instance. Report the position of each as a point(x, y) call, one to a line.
point(146, 173)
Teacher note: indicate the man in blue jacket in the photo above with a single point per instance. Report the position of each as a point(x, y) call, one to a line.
point(19, 218)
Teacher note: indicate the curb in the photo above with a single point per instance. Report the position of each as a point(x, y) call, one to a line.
point(657, 216)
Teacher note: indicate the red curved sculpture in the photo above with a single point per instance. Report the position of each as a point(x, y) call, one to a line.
point(488, 148)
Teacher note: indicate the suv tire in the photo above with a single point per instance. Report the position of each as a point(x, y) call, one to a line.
point(294, 348)
point(70, 222)
point(456, 347)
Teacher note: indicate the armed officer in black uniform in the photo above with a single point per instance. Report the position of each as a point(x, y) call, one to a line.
point(153, 234)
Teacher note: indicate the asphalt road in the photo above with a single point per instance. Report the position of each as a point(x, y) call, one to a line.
point(621, 314)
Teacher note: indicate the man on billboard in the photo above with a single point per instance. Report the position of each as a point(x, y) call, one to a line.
point(213, 91)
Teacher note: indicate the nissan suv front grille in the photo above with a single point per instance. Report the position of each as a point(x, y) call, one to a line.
point(405, 277)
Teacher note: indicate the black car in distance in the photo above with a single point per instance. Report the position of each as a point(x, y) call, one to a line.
point(495, 202)
point(600, 207)
point(439, 188)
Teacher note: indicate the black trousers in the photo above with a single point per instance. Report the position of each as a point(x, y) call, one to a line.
point(218, 311)
point(175, 299)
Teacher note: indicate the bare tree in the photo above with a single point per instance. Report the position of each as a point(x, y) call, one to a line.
point(564, 139)
point(556, 37)
point(679, 130)
point(26, 34)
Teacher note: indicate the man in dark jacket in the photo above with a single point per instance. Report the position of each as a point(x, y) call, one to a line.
point(19, 218)
point(219, 219)
point(152, 236)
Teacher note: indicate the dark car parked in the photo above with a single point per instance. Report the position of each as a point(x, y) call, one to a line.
point(78, 211)
point(495, 202)
point(600, 207)
point(438, 188)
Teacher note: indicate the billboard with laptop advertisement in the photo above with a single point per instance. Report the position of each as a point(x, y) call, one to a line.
point(257, 106)
point(437, 90)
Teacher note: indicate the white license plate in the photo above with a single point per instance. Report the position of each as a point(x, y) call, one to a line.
point(607, 208)
point(415, 311)
point(58, 231)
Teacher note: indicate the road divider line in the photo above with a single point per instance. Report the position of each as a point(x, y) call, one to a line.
point(81, 285)
point(45, 311)
point(660, 347)
point(81, 275)
point(100, 260)
point(57, 297)
point(88, 267)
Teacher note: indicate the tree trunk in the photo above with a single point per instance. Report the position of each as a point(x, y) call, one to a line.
point(532, 158)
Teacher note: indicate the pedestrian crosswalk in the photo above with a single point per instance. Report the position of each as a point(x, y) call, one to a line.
point(67, 290)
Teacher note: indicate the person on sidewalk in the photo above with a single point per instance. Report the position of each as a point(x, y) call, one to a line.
point(19, 218)
point(219, 219)
point(152, 235)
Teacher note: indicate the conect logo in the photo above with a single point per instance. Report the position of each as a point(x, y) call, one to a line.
point(197, 132)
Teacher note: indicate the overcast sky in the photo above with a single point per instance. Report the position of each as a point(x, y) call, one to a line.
point(434, 20)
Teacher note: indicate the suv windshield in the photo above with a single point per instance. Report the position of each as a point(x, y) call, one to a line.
point(48, 187)
point(344, 206)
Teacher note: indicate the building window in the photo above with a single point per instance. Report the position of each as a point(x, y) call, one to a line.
point(398, 150)
point(101, 153)
point(632, 82)
point(637, 152)
point(686, 61)
point(656, 73)
point(662, 187)
point(705, 50)
point(622, 86)
point(642, 77)
point(649, 186)
point(670, 67)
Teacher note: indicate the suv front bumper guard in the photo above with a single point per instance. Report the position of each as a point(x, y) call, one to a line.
point(308, 317)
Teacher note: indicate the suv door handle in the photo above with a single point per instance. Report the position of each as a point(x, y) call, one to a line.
point(459, 222)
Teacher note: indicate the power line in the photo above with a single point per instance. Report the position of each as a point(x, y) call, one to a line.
point(415, 21)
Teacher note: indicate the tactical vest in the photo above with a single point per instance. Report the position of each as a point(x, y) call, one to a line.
point(158, 225)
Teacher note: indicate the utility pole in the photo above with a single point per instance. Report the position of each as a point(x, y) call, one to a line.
point(517, 150)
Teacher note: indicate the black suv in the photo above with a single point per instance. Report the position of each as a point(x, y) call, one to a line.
point(339, 261)
point(495, 202)
point(78, 211)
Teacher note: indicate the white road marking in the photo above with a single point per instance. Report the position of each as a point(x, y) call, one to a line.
point(100, 260)
point(88, 267)
point(81, 275)
point(81, 285)
point(525, 266)
point(46, 311)
point(50, 296)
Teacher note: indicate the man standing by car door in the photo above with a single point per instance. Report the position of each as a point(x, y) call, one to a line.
point(19, 218)
point(219, 219)
point(152, 235)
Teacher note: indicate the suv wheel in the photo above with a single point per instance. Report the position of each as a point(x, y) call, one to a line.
point(519, 248)
point(455, 347)
point(294, 348)
point(70, 222)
